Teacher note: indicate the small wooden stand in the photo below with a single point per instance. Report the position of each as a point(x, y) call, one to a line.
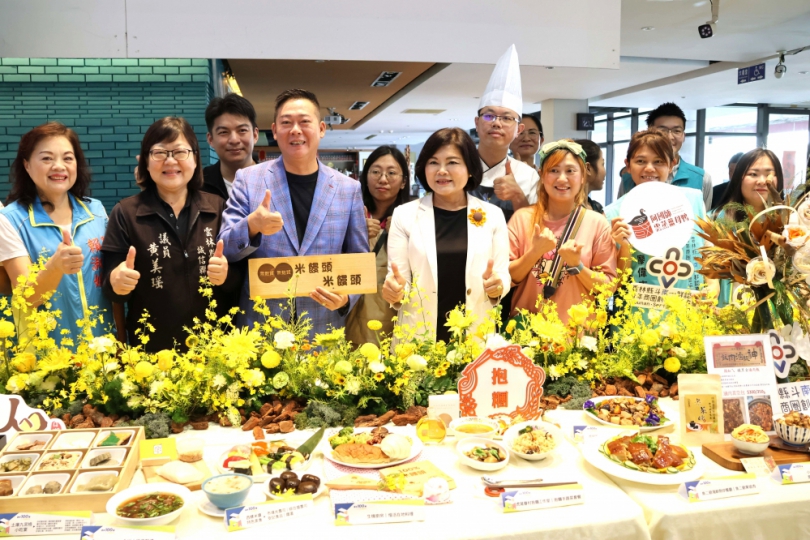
point(726, 455)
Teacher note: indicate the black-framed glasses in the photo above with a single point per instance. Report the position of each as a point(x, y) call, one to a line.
point(506, 120)
point(376, 174)
point(180, 154)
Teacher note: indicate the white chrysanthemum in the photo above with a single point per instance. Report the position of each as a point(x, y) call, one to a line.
point(284, 339)
point(376, 367)
point(416, 362)
point(219, 381)
point(353, 386)
point(101, 344)
point(253, 378)
point(554, 371)
point(679, 352)
point(589, 342)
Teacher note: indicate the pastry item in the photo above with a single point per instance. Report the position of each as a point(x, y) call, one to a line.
point(34, 490)
point(100, 459)
point(396, 446)
point(101, 482)
point(180, 472)
point(31, 445)
point(359, 453)
point(52, 487)
point(6, 488)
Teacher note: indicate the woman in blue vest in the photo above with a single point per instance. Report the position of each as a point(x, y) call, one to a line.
point(49, 219)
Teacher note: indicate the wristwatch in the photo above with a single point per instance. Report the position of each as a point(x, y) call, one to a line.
point(574, 270)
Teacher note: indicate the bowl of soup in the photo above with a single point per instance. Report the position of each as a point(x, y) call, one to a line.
point(149, 504)
point(227, 490)
point(474, 426)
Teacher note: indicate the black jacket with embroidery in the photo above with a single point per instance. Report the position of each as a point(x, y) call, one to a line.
point(170, 266)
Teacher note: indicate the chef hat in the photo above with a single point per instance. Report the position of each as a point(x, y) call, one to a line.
point(503, 89)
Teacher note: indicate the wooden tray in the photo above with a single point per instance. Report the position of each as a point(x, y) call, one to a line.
point(67, 501)
point(151, 475)
point(726, 455)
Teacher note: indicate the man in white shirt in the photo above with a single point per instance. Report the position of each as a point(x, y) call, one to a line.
point(508, 183)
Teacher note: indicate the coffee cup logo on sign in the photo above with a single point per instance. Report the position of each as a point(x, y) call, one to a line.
point(660, 217)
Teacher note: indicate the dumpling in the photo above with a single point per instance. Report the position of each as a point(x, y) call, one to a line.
point(102, 482)
point(180, 472)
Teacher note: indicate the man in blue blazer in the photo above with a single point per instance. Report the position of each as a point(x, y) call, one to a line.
point(295, 206)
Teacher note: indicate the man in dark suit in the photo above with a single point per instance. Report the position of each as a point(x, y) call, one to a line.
point(232, 133)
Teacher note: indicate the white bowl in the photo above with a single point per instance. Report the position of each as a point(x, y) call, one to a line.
point(750, 448)
point(791, 434)
point(83, 478)
point(467, 444)
point(474, 420)
point(42, 479)
point(514, 432)
point(117, 456)
point(30, 437)
point(78, 439)
point(11, 457)
point(143, 489)
point(76, 457)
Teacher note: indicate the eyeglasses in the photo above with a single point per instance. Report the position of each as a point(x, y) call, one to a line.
point(180, 154)
point(506, 120)
point(674, 131)
point(376, 174)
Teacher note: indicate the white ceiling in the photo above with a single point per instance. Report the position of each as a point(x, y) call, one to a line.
point(747, 30)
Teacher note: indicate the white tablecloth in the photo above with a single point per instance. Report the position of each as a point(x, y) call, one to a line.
point(777, 512)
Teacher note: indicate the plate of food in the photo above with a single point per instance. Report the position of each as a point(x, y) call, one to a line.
point(372, 448)
point(533, 440)
point(627, 412)
point(644, 458)
point(263, 459)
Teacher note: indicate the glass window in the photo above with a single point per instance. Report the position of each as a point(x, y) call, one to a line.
point(619, 155)
point(621, 129)
point(688, 149)
point(717, 151)
point(731, 119)
point(788, 138)
point(599, 133)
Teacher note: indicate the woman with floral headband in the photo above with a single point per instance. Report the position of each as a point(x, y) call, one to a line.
point(559, 250)
point(450, 245)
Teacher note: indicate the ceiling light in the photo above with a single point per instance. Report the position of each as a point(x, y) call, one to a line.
point(647, 28)
point(385, 78)
point(357, 105)
point(423, 111)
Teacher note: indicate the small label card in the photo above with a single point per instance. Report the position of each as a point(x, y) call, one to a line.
point(254, 515)
point(719, 488)
point(157, 451)
point(364, 513)
point(106, 532)
point(582, 434)
point(795, 473)
point(519, 500)
point(759, 466)
point(24, 524)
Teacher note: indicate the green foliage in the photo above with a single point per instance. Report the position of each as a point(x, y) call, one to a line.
point(116, 402)
point(580, 393)
point(156, 425)
point(318, 414)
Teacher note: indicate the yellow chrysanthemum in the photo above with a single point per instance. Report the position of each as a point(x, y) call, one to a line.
point(7, 329)
point(25, 362)
point(271, 359)
point(374, 325)
point(650, 338)
point(143, 369)
point(370, 351)
point(672, 364)
point(164, 359)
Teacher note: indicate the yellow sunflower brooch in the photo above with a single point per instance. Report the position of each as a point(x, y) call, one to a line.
point(477, 217)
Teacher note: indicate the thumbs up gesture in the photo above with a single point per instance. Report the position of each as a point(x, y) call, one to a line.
point(68, 258)
point(124, 277)
point(493, 285)
point(570, 253)
point(506, 187)
point(372, 224)
point(218, 266)
point(394, 287)
point(543, 240)
point(262, 220)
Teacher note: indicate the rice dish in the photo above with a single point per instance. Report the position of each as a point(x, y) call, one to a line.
point(227, 484)
point(533, 440)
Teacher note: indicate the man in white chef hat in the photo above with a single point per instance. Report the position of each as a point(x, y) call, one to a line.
point(508, 183)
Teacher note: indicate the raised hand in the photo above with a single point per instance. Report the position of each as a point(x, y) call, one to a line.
point(262, 220)
point(571, 253)
point(493, 285)
point(393, 290)
point(218, 265)
point(506, 187)
point(124, 278)
point(68, 258)
point(543, 240)
point(372, 224)
point(620, 231)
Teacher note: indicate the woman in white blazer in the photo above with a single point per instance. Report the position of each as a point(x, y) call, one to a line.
point(446, 234)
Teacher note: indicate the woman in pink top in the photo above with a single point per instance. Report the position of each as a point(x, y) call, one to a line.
point(559, 250)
